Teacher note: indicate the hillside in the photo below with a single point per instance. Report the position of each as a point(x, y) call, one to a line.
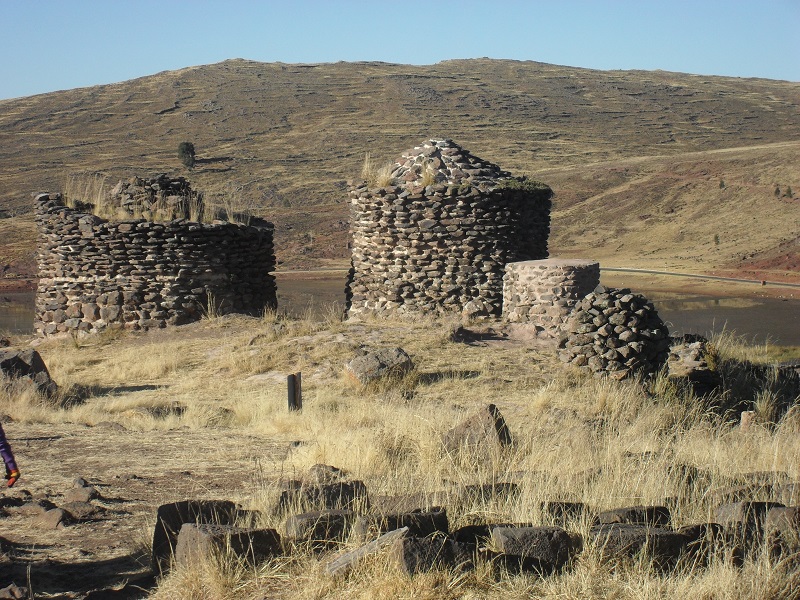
point(649, 168)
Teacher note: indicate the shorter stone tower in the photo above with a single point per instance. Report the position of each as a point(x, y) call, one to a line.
point(437, 234)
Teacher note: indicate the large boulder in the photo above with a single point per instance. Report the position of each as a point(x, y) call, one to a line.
point(27, 365)
point(374, 364)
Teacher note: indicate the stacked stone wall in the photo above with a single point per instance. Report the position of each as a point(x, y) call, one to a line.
point(139, 274)
point(544, 292)
point(443, 245)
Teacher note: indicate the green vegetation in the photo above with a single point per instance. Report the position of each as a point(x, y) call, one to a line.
point(186, 154)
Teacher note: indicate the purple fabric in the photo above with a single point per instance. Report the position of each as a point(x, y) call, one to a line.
point(6, 453)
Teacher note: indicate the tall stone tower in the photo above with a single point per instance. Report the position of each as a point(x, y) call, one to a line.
point(437, 234)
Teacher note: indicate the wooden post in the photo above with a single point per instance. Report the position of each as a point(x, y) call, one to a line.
point(295, 391)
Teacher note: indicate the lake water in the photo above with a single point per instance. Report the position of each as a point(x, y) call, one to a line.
point(758, 320)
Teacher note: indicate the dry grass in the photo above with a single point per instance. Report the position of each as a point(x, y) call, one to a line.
point(376, 176)
point(604, 443)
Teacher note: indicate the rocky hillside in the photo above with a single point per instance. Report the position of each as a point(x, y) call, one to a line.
point(649, 168)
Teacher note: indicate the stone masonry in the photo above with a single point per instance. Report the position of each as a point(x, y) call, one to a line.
point(139, 274)
point(544, 292)
point(438, 235)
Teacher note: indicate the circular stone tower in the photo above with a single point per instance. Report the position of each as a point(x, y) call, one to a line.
point(436, 234)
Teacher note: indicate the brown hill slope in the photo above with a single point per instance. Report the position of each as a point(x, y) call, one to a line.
point(636, 158)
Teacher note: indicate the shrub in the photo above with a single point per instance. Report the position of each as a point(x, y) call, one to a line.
point(186, 154)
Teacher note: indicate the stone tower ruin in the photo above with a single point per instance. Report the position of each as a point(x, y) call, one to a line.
point(96, 274)
point(436, 236)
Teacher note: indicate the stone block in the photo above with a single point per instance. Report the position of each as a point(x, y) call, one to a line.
point(539, 549)
point(654, 516)
point(487, 492)
point(319, 528)
point(171, 517)
point(703, 540)
point(618, 541)
point(301, 496)
point(419, 523)
point(782, 528)
point(345, 562)
point(745, 519)
point(414, 555)
point(198, 541)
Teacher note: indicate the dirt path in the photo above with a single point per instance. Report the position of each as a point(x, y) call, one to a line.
point(148, 469)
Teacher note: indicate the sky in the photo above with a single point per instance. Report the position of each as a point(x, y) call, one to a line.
point(50, 45)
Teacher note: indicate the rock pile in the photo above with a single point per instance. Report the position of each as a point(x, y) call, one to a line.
point(421, 539)
point(138, 274)
point(617, 332)
point(160, 196)
point(438, 235)
point(689, 361)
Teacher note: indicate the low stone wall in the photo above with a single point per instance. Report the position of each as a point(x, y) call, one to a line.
point(138, 274)
point(544, 292)
point(439, 234)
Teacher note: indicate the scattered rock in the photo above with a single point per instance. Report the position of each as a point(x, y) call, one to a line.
point(27, 365)
point(325, 474)
point(301, 496)
point(81, 494)
point(561, 511)
point(744, 519)
point(485, 429)
point(374, 364)
point(487, 492)
point(689, 361)
point(13, 592)
point(83, 511)
point(662, 546)
point(54, 518)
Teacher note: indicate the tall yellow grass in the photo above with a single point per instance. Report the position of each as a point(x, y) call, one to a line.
point(608, 444)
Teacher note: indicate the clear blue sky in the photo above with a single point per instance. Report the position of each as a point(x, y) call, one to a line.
point(49, 45)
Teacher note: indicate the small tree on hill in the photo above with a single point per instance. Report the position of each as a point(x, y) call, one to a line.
point(186, 154)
